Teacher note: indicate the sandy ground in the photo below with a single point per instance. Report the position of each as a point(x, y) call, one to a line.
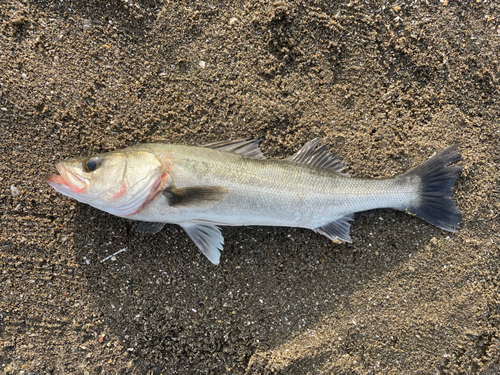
point(384, 84)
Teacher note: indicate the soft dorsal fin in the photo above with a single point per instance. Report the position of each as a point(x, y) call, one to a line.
point(310, 154)
point(246, 146)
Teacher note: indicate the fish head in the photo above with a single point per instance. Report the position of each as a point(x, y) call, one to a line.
point(119, 182)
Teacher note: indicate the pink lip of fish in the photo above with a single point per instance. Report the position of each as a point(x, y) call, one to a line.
point(232, 183)
point(68, 179)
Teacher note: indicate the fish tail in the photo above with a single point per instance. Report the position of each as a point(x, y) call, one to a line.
point(435, 204)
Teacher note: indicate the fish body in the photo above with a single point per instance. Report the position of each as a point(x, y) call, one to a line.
point(231, 183)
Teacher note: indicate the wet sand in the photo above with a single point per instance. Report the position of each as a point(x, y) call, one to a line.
point(385, 85)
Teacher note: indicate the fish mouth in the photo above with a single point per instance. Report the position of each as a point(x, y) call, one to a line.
point(66, 179)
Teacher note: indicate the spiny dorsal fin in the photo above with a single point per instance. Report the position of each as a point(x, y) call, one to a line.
point(208, 239)
point(338, 229)
point(310, 154)
point(246, 146)
point(194, 195)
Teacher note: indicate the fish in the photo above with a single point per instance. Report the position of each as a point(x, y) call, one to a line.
point(232, 183)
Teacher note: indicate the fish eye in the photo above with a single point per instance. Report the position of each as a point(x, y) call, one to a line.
point(91, 164)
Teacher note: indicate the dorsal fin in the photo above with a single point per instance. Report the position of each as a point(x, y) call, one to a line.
point(310, 154)
point(246, 146)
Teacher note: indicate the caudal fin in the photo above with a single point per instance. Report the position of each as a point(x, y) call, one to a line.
point(437, 178)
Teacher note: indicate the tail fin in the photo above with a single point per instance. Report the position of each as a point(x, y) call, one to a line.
point(437, 178)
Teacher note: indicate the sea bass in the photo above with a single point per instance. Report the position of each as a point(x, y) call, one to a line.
point(231, 183)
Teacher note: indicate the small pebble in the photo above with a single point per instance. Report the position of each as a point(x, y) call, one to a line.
point(14, 191)
point(203, 64)
point(87, 25)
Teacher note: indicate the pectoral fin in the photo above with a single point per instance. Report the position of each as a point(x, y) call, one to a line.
point(195, 195)
point(338, 229)
point(208, 239)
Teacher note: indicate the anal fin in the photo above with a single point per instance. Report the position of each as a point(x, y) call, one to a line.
point(338, 229)
point(208, 239)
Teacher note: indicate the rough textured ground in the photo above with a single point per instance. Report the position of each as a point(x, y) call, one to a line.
point(385, 84)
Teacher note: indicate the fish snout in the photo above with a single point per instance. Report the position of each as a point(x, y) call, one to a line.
point(67, 178)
